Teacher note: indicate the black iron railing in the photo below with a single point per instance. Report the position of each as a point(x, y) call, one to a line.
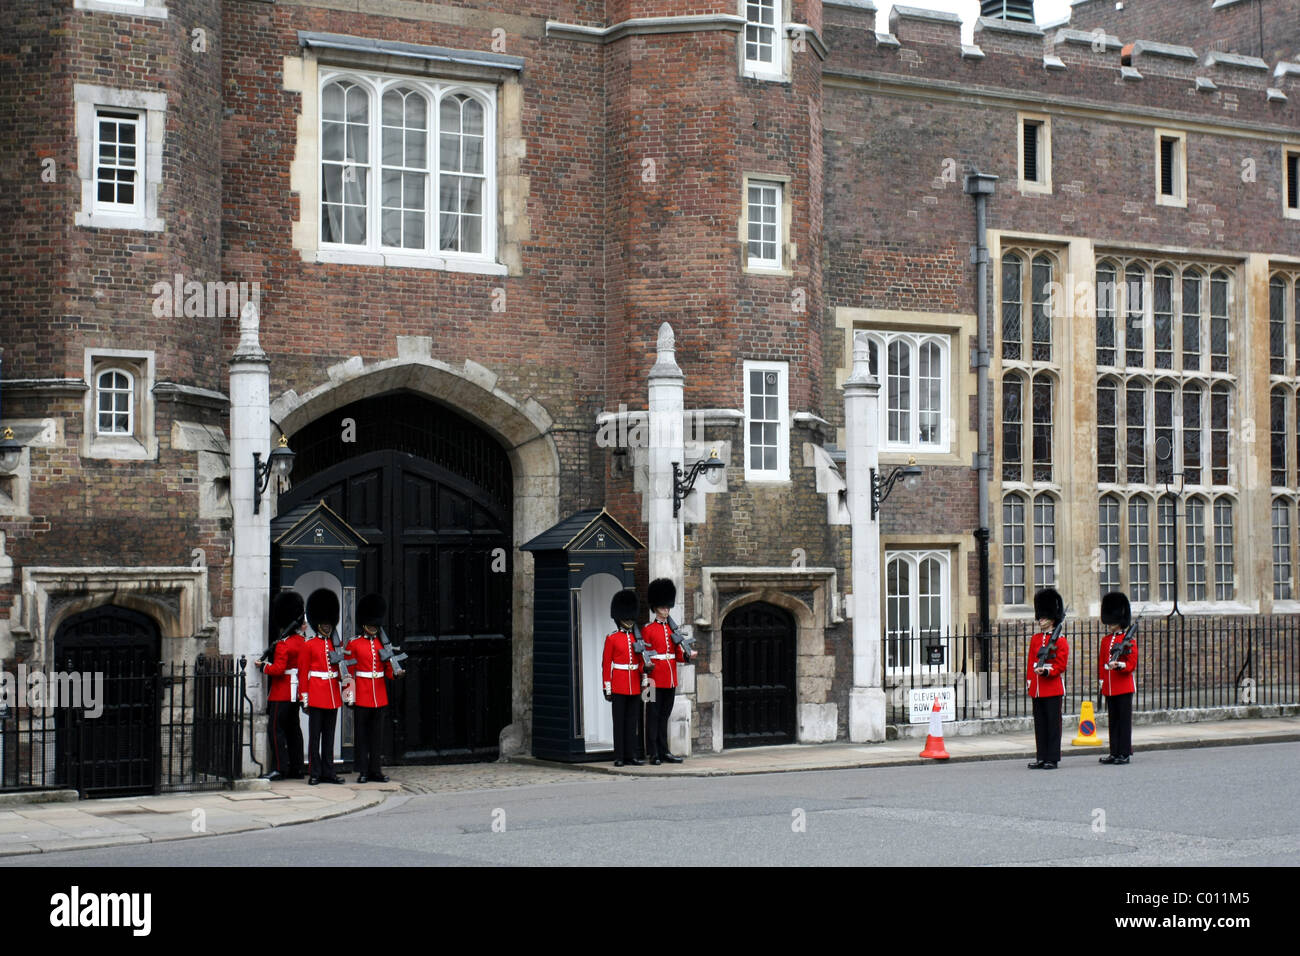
point(136, 729)
point(1193, 662)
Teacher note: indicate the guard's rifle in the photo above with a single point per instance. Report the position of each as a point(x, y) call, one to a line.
point(1122, 648)
point(644, 648)
point(340, 657)
point(687, 644)
point(1047, 653)
point(391, 655)
point(268, 655)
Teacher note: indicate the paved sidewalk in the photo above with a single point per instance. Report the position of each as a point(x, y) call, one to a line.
point(85, 824)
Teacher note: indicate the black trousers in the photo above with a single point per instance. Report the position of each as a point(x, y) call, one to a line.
point(658, 712)
point(368, 724)
point(285, 732)
point(320, 740)
point(1047, 728)
point(627, 710)
point(1120, 708)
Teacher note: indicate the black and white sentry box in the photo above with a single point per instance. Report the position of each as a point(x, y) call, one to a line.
point(920, 704)
point(578, 566)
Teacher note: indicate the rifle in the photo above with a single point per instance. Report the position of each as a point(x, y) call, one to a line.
point(1048, 651)
point(340, 657)
point(687, 644)
point(1121, 648)
point(388, 655)
point(644, 648)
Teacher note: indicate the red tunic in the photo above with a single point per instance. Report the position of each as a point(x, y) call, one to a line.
point(667, 655)
point(1049, 684)
point(368, 676)
point(1116, 682)
point(318, 681)
point(620, 666)
point(283, 669)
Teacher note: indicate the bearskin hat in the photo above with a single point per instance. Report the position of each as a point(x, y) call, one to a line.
point(661, 593)
point(323, 608)
point(286, 609)
point(371, 610)
point(1115, 610)
point(1048, 604)
point(624, 606)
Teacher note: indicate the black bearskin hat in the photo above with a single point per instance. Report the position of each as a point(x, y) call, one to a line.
point(1048, 604)
point(323, 608)
point(1115, 610)
point(661, 593)
point(371, 610)
point(624, 606)
point(286, 610)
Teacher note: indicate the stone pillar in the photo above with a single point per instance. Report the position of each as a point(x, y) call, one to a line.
point(667, 558)
point(862, 431)
point(250, 431)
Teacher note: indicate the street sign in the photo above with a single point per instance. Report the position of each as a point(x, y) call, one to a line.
point(920, 702)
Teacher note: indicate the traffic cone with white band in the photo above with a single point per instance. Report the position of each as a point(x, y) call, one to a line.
point(934, 742)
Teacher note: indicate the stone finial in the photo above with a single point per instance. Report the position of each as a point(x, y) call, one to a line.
point(249, 322)
point(667, 342)
point(861, 374)
point(666, 362)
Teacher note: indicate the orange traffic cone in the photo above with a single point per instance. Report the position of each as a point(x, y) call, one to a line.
point(934, 742)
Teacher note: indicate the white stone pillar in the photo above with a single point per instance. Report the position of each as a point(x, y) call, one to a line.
point(862, 431)
point(667, 557)
point(250, 431)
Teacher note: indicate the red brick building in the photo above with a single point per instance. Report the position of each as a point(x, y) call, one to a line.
point(464, 224)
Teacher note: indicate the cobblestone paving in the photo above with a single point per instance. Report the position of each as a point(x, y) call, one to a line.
point(450, 778)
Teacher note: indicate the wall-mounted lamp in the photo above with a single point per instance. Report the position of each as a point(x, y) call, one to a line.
point(713, 467)
point(11, 451)
point(279, 463)
point(881, 487)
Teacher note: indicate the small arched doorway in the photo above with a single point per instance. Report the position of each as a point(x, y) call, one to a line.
point(116, 752)
point(758, 676)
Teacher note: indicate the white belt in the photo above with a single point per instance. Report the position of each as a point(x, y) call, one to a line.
point(291, 672)
point(370, 673)
point(661, 657)
point(323, 675)
point(624, 667)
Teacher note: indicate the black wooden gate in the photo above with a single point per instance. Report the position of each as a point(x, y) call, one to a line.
point(758, 675)
point(431, 493)
point(115, 752)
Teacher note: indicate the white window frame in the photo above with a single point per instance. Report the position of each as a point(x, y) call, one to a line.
point(132, 8)
point(136, 121)
point(373, 252)
point(1290, 189)
point(1043, 184)
point(141, 444)
point(782, 470)
point(1179, 197)
point(881, 340)
point(152, 111)
point(101, 391)
point(913, 559)
point(778, 264)
point(758, 69)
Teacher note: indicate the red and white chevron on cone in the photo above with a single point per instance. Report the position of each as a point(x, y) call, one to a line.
point(934, 742)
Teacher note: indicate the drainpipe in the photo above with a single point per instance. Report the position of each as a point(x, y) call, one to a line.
point(981, 186)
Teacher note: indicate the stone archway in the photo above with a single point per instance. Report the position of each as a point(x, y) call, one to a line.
point(521, 428)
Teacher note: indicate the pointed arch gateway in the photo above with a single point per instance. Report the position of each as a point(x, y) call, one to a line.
point(443, 476)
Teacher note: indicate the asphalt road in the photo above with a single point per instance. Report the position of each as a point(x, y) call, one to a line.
point(1229, 806)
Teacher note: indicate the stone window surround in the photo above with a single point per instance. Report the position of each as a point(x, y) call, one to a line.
point(779, 71)
point(1043, 184)
point(1290, 153)
point(142, 444)
point(913, 557)
point(782, 472)
point(724, 589)
point(883, 338)
point(175, 597)
point(302, 76)
point(89, 100)
point(127, 8)
point(1179, 198)
point(785, 248)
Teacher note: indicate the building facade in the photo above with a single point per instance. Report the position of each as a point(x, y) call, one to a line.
point(462, 228)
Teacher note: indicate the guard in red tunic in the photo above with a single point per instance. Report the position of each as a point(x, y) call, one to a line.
point(321, 690)
point(1115, 666)
point(370, 689)
point(621, 671)
point(661, 596)
point(1044, 678)
point(284, 727)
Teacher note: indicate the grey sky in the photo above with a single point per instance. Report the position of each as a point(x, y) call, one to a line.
point(1047, 11)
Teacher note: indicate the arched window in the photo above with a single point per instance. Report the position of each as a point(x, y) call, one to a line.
point(1164, 431)
point(1162, 318)
point(1139, 548)
point(1042, 309)
point(1219, 321)
point(1108, 542)
point(1277, 326)
point(1193, 281)
point(1196, 549)
point(1012, 307)
point(1013, 549)
point(1135, 279)
point(1167, 545)
point(1107, 294)
point(115, 402)
point(1281, 526)
point(1193, 400)
point(917, 597)
point(1278, 400)
point(405, 170)
point(1044, 541)
point(345, 159)
point(1219, 416)
point(1135, 431)
point(1107, 431)
point(1013, 393)
point(1044, 412)
point(914, 389)
point(1224, 555)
